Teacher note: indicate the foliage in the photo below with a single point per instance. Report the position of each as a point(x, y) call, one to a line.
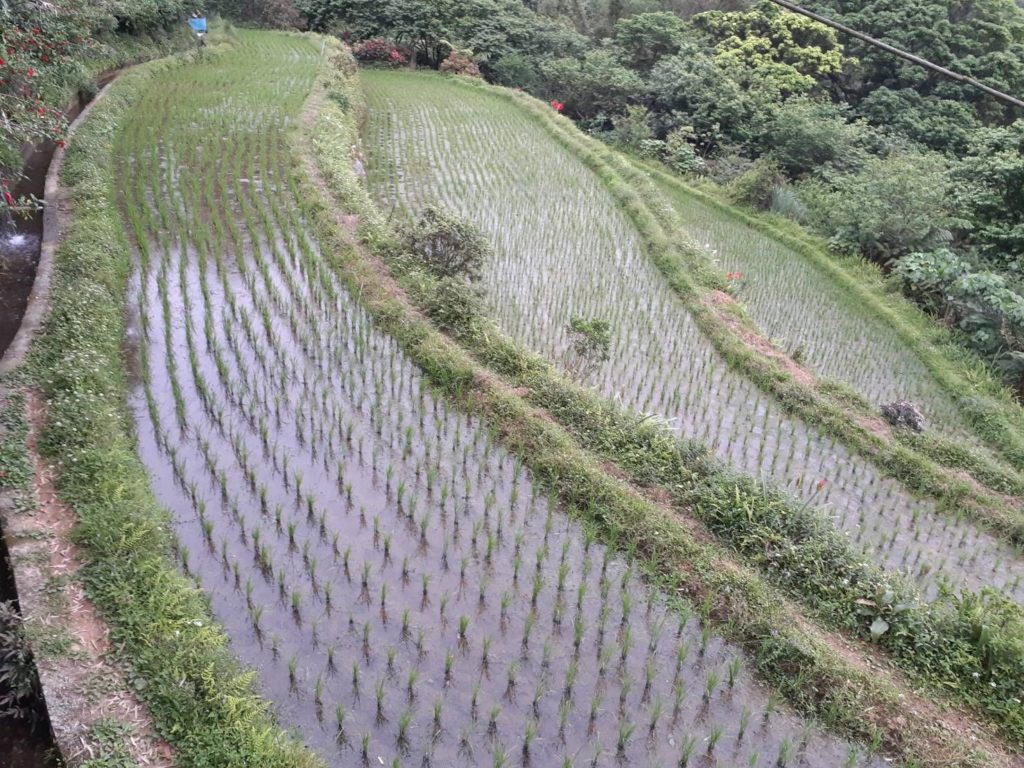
point(595, 84)
point(701, 93)
point(788, 53)
point(37, 49)
point(891, 207)
point(646, 38)
point(808, 136)
point(460, 63)
point(377, 50)
point(988, 193)
point(448, 245)
point(983, 305)
point(679, 153)
point(756, 186)
point(19, 685)
point(274, 14)
point(984, 39)
point(632, 128)
point(590, 344)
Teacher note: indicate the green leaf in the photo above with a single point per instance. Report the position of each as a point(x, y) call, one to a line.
point(879, 627)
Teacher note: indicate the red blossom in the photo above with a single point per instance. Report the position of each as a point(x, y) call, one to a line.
point(557, 105)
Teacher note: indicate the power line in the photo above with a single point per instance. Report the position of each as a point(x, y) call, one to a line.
point(1003, 97)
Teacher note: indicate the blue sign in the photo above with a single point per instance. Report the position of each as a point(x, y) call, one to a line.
point(198, 25)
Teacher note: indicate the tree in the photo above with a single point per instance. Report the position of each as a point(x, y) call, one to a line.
point(807, 134)
point(891, 207)
point(989, 195)
point(707, 96)
point(981, 38)
point(646, 38)
point(448, 245)
point(790, 53)
point(595, 84)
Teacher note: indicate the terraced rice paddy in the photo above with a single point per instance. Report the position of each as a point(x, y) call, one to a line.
point(801, 307)
point(407, 594)
point(565, 249)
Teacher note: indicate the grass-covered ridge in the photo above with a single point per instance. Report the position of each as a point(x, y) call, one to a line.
point(201, 701)
point(666, 544)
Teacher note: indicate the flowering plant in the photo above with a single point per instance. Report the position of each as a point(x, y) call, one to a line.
point(36, 50)
point(557, 105)
point(378, 50)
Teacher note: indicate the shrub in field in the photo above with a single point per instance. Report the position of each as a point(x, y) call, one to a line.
point(454, 304)
point(460, 63)
point(590, 345)
point(756, 186)
point(448, 245)
point(377, 50)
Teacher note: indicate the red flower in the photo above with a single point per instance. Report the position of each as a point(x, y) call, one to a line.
point(821, 484)
point(8, 197)
point(31, 72)
point(557, 105)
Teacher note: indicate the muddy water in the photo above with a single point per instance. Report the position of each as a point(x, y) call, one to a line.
point(380, 559)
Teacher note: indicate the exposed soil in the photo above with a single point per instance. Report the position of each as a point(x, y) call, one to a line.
point(758, 343)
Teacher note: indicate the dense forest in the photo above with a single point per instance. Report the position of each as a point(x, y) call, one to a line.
point(919, 173)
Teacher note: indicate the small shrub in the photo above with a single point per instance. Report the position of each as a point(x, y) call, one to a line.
point(590, 345)
point(680, 155)
point(449, 246)
point(19, 686)
point(756, 186)
point(377, 50)
point(460, 63)
point(631, 129)
point(454, 305)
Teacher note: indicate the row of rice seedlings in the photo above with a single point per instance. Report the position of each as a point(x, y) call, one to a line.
point(565, 249)
point(339, 516)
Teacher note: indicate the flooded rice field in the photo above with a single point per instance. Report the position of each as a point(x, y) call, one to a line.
point(566, 249)
point(406, 592)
